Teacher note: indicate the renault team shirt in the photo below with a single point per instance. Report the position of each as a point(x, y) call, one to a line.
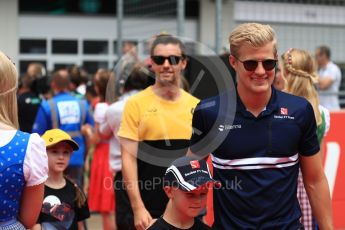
point(163, 129)
point(258, 161)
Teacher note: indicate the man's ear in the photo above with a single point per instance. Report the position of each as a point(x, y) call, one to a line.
point(232, 61)
point(184, 62)
point(168, 191)
point(52, 85)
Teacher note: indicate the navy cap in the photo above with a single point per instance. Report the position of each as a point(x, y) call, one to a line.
point(188, 173)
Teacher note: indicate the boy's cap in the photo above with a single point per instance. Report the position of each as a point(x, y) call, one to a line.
point(54, 136)
point(188, 173)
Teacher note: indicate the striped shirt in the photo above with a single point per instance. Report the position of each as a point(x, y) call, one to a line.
point(257, 160)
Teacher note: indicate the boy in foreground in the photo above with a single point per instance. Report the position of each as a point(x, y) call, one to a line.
point(186, 183)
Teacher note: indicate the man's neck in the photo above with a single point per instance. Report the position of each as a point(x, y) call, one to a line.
point(255, 103)
point(23, 90)
point(177, 219)
point(170, 92)
point(324, 65)
point(58, 91)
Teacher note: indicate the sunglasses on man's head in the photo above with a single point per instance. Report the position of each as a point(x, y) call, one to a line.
point(172, 59)
point(251, 65)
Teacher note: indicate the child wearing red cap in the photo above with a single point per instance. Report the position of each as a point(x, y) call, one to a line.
point(64, 204)
point(186, 183)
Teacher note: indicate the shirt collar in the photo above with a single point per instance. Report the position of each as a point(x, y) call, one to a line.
point(128, 94)
point(269, 109)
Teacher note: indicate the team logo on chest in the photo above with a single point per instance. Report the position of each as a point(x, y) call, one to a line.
point(284, 111)
point(284, 114)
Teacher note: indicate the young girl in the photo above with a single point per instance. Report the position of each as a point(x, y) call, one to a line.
point(101, 193)
point(64, 205)
point(299, 72)
point(23, 159)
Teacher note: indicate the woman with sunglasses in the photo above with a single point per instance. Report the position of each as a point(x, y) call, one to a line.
point(23, 159)
point(299, 72)
point(271, 135)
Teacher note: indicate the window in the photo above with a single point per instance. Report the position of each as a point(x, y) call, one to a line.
point(24, 65)
point(126, 45)
point(141, 8)
point(33, 46)
point(65, 47)
point(58, 66)
point(92, 66)
point(312, 2)
point(95, 47)
point(58, 7)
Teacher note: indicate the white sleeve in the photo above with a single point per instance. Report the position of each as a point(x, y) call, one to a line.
point(325, 111)
point(328, 121)
point(117, 116)
point(335, 73)
point(35, 161)
point(110, 116)
point(113, 116)
point(104, 129)
point(99, 114)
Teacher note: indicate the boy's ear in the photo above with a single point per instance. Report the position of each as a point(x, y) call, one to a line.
point(168, 191)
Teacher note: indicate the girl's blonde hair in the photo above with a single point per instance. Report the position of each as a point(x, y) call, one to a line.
point(299, 70)
point(8, 97)
point(254, 34)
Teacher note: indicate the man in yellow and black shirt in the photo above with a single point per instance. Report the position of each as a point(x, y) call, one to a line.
point(155, 130)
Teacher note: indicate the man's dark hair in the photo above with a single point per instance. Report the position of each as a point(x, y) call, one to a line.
point(137, 80)
point(325, 50)
point(61, 80)
point(27, 80)
point(90, 89)
point(41, 85)
point(167, 39)
point(77, 75)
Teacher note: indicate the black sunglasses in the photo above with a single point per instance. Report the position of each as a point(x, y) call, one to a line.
point(251, 65)
point(173, 60)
